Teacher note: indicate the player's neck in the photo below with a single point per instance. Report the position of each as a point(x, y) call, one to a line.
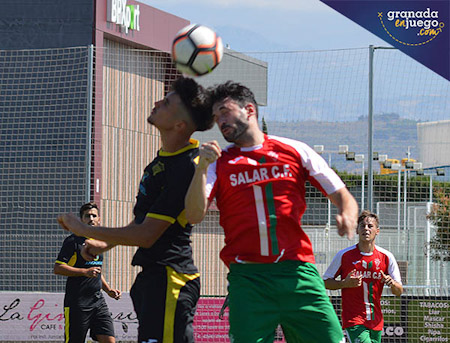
point(173, 141)
point(250, 138)
point(366, 247)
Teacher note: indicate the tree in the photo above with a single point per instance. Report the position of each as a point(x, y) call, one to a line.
point(264, 126)
point(440, 217)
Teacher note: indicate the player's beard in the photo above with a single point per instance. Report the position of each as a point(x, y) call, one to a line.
point(236, 131)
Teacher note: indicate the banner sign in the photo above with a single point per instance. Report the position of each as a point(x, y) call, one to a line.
point(433, 320)
point(39, 317)
point(208, 326)
point(412, 318)
point(418, 28)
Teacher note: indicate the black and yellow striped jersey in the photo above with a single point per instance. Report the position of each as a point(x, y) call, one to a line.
point(79, 289)
point(161, 195)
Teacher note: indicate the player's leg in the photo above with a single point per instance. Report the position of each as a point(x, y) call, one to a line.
point(359, 334)
point(148, 295)
point(76, 324)
point(375, 336)
point(307, 312)
point(155, 296)
point(102, 328)
point(254, 313)
point(188, 288)
point(105, 339)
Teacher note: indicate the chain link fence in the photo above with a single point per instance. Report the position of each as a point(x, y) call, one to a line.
point(51, 132)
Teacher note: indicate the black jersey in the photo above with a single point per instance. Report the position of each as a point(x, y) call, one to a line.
point(162, 190)
point(80, 290)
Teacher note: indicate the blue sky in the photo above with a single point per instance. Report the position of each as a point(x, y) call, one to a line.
point(281, 25)
point(402, 85)
point(250, 26)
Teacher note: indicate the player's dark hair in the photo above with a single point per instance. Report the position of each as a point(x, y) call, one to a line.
point(236, 91)
point(193, 96)
point(368, 214)
point(87, 207)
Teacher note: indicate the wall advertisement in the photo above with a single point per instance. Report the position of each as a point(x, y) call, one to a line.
point(39, 317)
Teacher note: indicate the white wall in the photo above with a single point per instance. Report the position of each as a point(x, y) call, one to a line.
point(434, 143)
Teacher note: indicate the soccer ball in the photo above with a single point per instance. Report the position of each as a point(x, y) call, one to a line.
point(196, 50)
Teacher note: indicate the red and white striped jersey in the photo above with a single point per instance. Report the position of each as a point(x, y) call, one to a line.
point(260, 192)
point(361, 305)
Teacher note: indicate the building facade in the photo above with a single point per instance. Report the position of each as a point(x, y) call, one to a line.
point(78, 81)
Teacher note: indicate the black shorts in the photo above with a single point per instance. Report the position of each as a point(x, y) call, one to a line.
point(78, 320)
point(165, 303)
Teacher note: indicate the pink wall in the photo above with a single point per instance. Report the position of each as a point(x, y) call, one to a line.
point(157, 29)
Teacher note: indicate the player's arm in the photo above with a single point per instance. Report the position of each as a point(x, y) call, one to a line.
point(395, 286)
point(333, 284)
point(93, 247)
point(346, 219)
point(224, 306)
point(331, 185)
point(66, 270)
point(113, 293)
point(351, 280)
point(141, 235)
point(196, 202)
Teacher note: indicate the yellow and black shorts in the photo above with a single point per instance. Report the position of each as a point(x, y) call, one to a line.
point(165, 303)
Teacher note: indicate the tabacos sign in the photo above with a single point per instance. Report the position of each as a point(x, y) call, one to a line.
point(127, 16)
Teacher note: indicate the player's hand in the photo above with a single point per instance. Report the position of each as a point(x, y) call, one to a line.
point(352, 280)
point(114, 293)
point(92, 248)
point(209, 153)
point(224, 306)
point(387, 279)
point(71, 223)
point(221, 313)
point(93, 272)
point(346, 225)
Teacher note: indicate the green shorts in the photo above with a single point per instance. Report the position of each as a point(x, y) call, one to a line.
point(361, 334)
point(291, 294)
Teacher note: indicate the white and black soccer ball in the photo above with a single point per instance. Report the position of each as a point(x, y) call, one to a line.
point(196, 50)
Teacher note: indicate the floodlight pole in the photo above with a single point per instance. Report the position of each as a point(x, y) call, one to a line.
point(428, 248)
point(370, 125)
point(399, 200)
point(431, 188)
point(90, 91)
point(362, 187)
point(370, 133)
point(320, 150)
point(405, 206)
point(329, 202)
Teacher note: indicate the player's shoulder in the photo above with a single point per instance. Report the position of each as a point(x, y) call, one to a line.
point(385, 252)
point(349, 251)
point(185, 161)
point(186, 158)
point(291, 147)
point(229, 148)
point(229, 152)
point(73, 239)
point(179, 160)
point(287, 142)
